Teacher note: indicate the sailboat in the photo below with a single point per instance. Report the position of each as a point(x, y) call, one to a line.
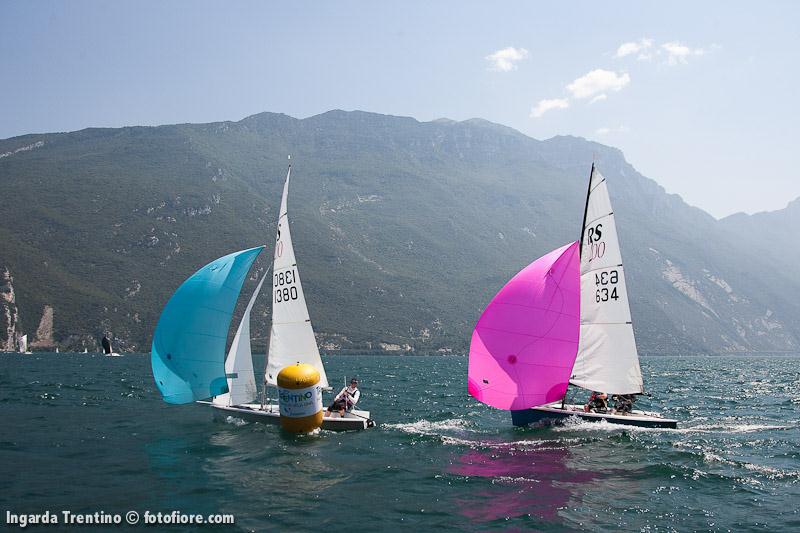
point(107, 351)
point(188, 364)
point(23, 345)
point(564, 320)
point(292, 341)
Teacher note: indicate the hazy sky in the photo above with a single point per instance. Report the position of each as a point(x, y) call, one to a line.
point(701, 96)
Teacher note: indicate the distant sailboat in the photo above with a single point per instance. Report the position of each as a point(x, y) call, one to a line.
point(23, 345)
point(107, 351)
point(529, 333)
point(189, 341)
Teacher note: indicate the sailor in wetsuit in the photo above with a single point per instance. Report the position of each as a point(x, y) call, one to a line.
point(598, 403)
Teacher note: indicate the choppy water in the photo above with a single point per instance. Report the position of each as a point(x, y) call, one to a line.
point(88, 433)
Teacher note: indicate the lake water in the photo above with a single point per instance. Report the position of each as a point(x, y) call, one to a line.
point(88, 433)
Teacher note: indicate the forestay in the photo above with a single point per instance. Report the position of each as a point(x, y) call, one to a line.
point(239, 363)
point(607, 358)
point(291, 337)
point(524, 345)
point(188, 351)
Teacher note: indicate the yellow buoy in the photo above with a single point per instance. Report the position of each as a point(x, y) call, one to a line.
point(300, 398)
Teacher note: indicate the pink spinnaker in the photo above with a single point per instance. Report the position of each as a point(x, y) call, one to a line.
point(525, 343)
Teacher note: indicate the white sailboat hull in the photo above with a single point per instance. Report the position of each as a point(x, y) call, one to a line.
point(554, 414)
point(269, 414)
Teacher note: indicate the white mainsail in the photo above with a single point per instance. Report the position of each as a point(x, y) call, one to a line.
point(607, 358)
point(23, 344)
point(291, 337)
point(239, 363)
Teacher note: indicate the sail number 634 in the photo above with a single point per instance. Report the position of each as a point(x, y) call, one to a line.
point(604, 281)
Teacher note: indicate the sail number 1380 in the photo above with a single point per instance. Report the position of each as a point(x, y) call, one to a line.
point(284, 285)
point(606, 286)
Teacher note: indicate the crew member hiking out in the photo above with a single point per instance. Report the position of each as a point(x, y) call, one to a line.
point(346, 399)
point(623, 403)
point(598, 403)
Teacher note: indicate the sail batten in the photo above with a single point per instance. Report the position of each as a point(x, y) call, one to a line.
point(598, 219)
point(292, 338)
point(607, 358)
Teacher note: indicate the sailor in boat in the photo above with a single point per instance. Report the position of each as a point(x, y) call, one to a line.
point(346, 399)
point(106, 344)
point(623, 403)
point(598, 403)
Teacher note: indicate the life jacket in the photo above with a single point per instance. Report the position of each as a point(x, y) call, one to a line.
point(596, 402)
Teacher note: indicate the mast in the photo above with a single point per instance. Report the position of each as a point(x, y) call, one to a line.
point(292, 337)
point(580, 249)
point(586, 210)
point(272, 317)
point(607, 357)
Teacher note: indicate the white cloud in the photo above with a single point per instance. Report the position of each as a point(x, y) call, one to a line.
point(640, 47)
point(593, 85)
point(506, 59)
point(645, 50)
point(680, 53)
point(546, 105)
point(596, 82)
point(606, 131)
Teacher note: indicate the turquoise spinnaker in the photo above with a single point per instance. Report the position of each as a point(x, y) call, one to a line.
point(188, 352)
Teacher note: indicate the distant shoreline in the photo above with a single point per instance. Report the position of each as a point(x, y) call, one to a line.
point(428, 355)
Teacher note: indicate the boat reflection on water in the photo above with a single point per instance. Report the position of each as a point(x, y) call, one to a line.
point(524, 479)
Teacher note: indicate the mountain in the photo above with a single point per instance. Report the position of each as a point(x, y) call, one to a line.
point(770, 234)
point(403, 231)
